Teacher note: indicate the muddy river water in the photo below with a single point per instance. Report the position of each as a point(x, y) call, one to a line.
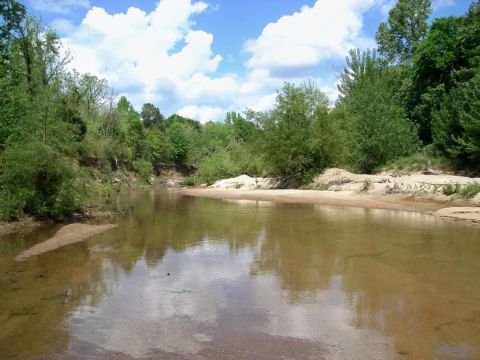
point(191, 278)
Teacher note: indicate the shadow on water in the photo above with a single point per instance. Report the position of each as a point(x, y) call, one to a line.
point(247, 280)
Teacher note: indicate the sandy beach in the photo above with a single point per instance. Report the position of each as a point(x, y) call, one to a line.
point(447, 210)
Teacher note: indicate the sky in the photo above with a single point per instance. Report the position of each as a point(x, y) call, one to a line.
point(202, 58)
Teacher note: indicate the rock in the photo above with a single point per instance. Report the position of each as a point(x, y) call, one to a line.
point(245, 182)
point(385, 183)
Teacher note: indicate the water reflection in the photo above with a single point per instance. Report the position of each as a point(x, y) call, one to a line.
point(249, 279)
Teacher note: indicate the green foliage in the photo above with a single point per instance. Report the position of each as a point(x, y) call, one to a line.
point(405, 28)
point(451, 189)
point(243, 130)
point(359, 64)
point(382, 132)
point(288, 141)
point(13, 105)
point(37, 180)
point(218, 165)
point(456, 126)
point(159, 146)
point(180, 144)
point(190, 123)
point(189, 181)
point(152, 117)
point(144, 169)
point(433, 72)
point(417, 162)
point(469, 191)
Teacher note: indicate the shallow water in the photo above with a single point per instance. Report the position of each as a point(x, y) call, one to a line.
point(248, 280)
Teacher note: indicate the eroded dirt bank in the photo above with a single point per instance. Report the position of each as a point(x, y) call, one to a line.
point(69, 234)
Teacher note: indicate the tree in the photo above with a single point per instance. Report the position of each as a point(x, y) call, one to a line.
point(37, 180)
point(456, 126)
point(175, 118)
point(469, 44)
point(12, 15)
point(433, 73)
point(159, 146)
point(405, 28)
point(243, 130)
point(152, 117)
point(288, 144)
point(381, 130)
point(359, 64)
point(180, 145)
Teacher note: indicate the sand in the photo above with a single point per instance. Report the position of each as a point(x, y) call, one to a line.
point(69, 234)
point(444, 210)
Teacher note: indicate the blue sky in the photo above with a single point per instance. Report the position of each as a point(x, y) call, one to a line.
point(203, 58)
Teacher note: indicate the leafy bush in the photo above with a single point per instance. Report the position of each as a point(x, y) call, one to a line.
point(296, 132)
point(11, 206)
point(469, 191)
point(382, 132)
point(451, 189)
point(38, 181)
point(456, 126)
point(144, 169)
point(217, 165)
point(189, 181)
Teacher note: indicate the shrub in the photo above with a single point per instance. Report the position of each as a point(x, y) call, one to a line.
point(469, 191)
point(217, 165)
point(37, 180)
point(11, 205)
point(189, 181)
point(144, 169)
point(451, 189)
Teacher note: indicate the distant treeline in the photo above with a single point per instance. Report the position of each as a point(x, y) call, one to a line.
point(414, 99)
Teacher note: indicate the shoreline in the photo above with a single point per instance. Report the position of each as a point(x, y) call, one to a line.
point(450, 210)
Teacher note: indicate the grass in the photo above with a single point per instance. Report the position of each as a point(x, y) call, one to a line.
point(469, 191)
point(463, 191)
point(189, 181)
point(417, 163)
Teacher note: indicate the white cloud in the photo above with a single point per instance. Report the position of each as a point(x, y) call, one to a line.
point(161, 57)
point(155, 56)
point(63, 26)
point(59, 6)
point(203, 114)
point(304, 39)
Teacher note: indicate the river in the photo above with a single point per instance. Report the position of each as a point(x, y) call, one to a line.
point(193, 278)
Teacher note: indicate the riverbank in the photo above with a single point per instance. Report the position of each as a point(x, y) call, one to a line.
point(99, 206)
point(453, 210)
point(419, 192)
